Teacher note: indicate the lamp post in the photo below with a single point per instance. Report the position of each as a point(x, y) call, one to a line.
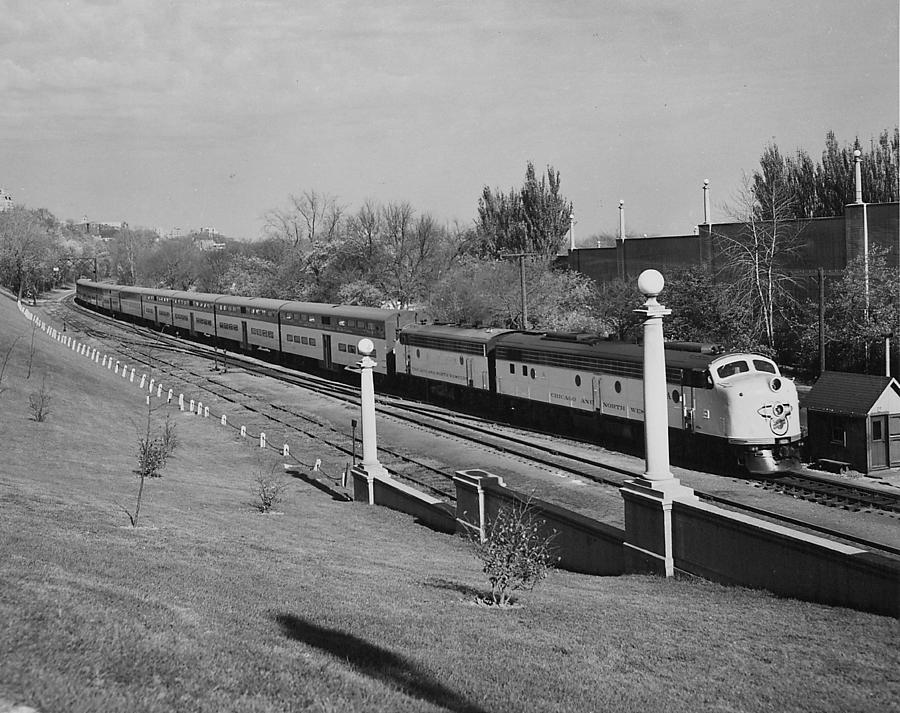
point(648, 500)
point(369, 461)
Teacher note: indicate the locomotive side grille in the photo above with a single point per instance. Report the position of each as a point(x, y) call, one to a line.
point(582, 362)
point(447, 344)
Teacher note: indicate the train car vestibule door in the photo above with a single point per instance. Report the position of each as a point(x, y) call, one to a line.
point(326, 351)
point(244, 343)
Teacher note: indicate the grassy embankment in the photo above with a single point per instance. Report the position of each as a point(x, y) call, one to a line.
point(210, 605)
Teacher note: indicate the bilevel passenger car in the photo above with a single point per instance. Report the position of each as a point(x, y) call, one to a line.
point(733, 405)
point(321, 335)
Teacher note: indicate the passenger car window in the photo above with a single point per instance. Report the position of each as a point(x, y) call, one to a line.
point(732, 368)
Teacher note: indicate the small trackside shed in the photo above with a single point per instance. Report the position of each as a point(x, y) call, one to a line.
point(855, 419)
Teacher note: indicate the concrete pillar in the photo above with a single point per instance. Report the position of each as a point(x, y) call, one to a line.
point(191, 409)
point(206, 412)
point(170, 395)
point(648, 500)
point(159, 391)
point(262, 439)
point(132, 375)
point(471, 515)
point(124, 371)
point(285, 451)
point(181, 402)
point(117, 368)
point(224, 420)
point(369, 462)
point(143, 380)
point(104, 361)
point(152, 384)
point(199, 408)
point(243, 431)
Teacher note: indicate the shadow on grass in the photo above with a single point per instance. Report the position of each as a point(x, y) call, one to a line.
point(464, 589)
point(321, 485)
point(376, 662)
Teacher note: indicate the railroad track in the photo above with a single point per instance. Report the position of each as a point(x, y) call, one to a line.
point(422, 474)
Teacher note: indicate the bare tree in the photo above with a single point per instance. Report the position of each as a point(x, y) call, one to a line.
point(756, 258)
point(310, 218)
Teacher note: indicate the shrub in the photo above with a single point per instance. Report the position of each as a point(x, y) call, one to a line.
point(151, 457)
point(39, 401)
point(515, 552)
point(169, 438)
point(268, 489)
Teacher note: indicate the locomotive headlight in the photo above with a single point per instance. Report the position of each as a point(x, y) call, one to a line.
point(775, 383)
point(778, 409)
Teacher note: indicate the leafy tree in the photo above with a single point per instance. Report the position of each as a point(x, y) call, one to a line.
point(127, 249)
point(851, 326)
point(533, 219)
point(488, 292)
point(703, 310)
point(547, 213)
point(360, 293)
point(823, 189)
point(27, 249)
point(173, 264)
point(615, 307)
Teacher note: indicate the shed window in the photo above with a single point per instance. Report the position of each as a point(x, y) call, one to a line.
point(877, 429)
point(838, 434)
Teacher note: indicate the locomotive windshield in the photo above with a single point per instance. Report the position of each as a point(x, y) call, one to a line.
point(738, 366)
point(741, 366)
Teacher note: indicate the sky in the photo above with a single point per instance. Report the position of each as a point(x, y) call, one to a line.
point(208, 113)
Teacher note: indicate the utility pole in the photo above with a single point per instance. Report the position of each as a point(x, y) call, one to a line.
point(522, 257)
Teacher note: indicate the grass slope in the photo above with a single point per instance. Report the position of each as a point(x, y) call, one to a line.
point(329, 606)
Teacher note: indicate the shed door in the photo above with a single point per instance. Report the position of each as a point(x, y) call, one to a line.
point(878, 445)
point(894, 446)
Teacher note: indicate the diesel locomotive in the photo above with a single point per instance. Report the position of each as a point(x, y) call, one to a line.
point(735, 406)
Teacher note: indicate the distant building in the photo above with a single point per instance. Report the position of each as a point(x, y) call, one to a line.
point(6, 201)
point(101, 229)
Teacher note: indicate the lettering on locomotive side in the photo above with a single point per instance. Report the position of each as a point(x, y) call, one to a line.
point(441, 375)
point(613, 407)
point(568, 398)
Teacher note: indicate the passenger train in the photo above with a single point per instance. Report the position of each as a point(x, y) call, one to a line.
point(736, 406)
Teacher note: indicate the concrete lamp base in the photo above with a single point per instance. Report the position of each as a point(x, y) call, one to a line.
point(648, 523)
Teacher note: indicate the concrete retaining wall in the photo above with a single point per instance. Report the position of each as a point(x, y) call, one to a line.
point(733, 548)
point(393, 494)
point(716, 544)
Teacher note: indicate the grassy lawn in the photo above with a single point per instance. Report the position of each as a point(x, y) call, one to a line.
point(210, 605)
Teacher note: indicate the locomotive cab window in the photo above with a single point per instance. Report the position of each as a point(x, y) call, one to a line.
point(512, 368)
point(731, 368)
point(766, 366)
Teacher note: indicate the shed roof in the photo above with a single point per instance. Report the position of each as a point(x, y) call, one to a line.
point(852, 394)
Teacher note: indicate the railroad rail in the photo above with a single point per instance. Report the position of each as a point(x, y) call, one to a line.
point(483, 432)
